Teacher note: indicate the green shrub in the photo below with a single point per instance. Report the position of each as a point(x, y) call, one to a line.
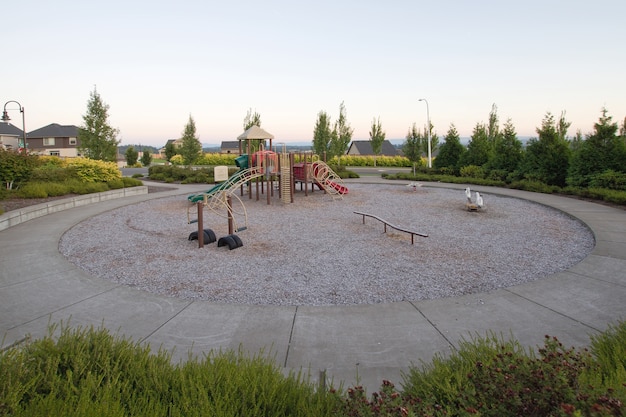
point(472, 171)
point(52, 173)
point(89, 372)
point(131, 182)
point(535, 186)
point(55, 189)
point(33, 190)
point(609, 179)
point(137, 175)
point(91, 170)
point(115, 184)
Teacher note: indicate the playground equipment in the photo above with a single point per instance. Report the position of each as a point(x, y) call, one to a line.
point(473, 206)
point(319, 173)
point(386, 223)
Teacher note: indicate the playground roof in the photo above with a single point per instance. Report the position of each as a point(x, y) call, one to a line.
point(255, 132)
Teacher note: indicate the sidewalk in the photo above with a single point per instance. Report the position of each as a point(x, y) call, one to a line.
point(374, 342)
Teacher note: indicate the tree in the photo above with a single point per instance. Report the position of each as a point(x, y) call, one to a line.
point(341, 135)
point(412, 146)
point(377, 137)
point(170, 150)
point(547, 158)
point(602, 150)
point(146, 158)
point(507, 151)
point(479, 148)
point(450, 152)
point(98, 140)
point(191, 147)
point(493, 127)
point(131, 155)
point(251, 119)
point(322, 134)
point(15, 167)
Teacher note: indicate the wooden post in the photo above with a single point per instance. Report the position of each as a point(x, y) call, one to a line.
point(200, 226)
point(229, 205)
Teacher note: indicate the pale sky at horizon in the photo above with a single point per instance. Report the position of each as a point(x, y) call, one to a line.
point(155, 63)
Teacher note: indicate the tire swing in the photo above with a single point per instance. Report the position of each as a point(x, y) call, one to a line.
point(232, 241)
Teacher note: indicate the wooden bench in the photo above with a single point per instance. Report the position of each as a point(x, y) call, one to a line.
point(386, 223)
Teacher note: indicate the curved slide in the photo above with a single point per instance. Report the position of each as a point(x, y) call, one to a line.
point(328, 179)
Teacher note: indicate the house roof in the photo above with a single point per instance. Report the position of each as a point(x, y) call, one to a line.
point(55, 130)
point(364, 147)
point(7, 129)
point(230, 144)
point(255, 132)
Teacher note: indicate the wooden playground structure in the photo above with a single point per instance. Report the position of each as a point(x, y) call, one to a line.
point(263, 170)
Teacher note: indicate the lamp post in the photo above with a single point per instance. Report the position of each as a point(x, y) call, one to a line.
point(428, 118)
point(6, 118)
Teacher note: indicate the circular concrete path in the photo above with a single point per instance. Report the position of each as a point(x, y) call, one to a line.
point(377, 341)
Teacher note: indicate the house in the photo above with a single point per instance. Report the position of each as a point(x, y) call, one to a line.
point(54, 139)
point(10, 136)
point(176, 142)
point(364, 147)
point(230, 146)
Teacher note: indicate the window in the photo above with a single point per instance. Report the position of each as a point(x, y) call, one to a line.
point(72, 141)
point(48, 141)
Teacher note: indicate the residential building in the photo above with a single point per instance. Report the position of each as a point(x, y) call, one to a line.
point(364, 147)
point(11, 137)
point(54, 139)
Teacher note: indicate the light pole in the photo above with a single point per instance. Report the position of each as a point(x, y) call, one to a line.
point(430, 165)
point(6, 118)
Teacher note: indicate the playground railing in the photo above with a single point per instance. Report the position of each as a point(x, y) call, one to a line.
point(386, 223)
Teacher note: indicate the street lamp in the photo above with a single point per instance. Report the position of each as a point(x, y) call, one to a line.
point(430, 165)
point(6, 118)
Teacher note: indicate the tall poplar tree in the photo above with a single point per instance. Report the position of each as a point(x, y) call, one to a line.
point(377, 137)
point(322, 134)
point(342, 134)
point(98, 140)
point(412, 146)
point(191, 147)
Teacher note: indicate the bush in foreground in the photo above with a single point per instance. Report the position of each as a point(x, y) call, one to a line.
point(89, 372)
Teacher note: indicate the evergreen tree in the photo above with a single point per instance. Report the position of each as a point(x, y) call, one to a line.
point(377, 137)
point(450, 152)
point(547, 158)
point(479, 149)
point(342, 134)
point(98, 140)
point(146, 158)
point(191, 147)
point(170, 150)
point(131, 155)
point(508, 150)
point(322, 134)
point(602, 150)
point(412, 146)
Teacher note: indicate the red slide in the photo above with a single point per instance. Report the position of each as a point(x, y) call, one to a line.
point(340, 188)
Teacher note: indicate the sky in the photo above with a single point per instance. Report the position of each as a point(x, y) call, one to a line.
point(156, 63)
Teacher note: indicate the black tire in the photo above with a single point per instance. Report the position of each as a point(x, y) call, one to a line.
point(237, 240)
point(209, 236)
point(227, 240)
point(193, 236)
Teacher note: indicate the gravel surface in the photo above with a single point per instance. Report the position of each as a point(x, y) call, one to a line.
point(316, 251)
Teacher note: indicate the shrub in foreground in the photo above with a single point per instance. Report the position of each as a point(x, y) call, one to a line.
point(89, 372)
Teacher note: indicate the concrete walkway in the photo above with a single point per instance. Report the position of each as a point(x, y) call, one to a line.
point(369, 342)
